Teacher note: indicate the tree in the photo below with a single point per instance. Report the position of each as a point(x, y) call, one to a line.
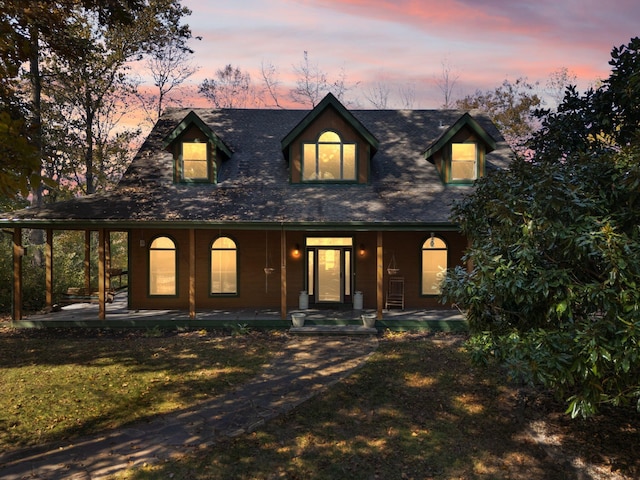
point(378, 94)
point(446, 83)
point(231, 88)
point(511, 107)
point(311, 83)
point(555, 252)
point(28, 26)
point(87, 91)
point(558, 82)
point(169, 67)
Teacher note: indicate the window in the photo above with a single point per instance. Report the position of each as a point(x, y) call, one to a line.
point(434, 265)
point(329, 159)
point(162, 267)
point(464, 161)
point(195, 162)
point(224, 267)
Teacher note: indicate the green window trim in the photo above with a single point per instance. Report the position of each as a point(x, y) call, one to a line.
point(223, 268)
point(329, 160)
point(470, 160)
point(195, 163)
point(434, 261)
point(162, 278)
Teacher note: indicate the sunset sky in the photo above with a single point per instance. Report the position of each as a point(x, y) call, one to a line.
point(405, 42)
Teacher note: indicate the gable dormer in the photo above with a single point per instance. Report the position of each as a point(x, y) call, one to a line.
point(197, 151)
point(459, 153)
point(329, 145)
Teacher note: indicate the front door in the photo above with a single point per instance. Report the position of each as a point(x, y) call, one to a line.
point(329, 270)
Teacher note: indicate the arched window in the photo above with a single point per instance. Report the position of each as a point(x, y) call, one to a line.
point(329, 159)
point(163, 267)
point(434, 265)
point(224, 267)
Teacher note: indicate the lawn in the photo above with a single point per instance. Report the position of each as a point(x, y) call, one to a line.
point(60, 384)
point(416, 410)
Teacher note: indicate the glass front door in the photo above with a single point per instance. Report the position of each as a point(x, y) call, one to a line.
point(329, 269)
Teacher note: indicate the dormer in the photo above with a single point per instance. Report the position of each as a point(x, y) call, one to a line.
point(329, 146)
point(197, 151)
point(459, 153)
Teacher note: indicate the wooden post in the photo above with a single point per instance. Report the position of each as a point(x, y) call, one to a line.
point(192, 273)
point(283, 274)
point(107, 261)
point(48, 262)
point(18, 252)
point(102, 297)
point(379, 277)
point(87, 261)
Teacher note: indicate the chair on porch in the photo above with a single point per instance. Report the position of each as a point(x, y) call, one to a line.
point(395, 293)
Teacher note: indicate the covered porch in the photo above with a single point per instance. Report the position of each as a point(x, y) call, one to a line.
point(118, 315)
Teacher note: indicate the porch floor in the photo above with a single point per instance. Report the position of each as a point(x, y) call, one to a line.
point(119, 316)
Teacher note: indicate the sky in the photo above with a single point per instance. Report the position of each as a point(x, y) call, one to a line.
point(407, 44)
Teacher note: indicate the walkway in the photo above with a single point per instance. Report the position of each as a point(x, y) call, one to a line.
point(305, 367)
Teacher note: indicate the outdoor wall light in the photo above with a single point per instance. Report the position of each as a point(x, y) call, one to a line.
point(362, 250)
point(296, 250)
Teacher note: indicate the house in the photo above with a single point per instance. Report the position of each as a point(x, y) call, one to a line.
point(247, 208)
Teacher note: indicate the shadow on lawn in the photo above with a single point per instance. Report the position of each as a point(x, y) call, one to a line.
point(61, 384)
point(416, 410)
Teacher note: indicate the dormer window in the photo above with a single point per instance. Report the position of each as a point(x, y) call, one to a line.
point(195, 162)
point(197, 152)
point(329, 159)
point(459, 153)
point(464, 162)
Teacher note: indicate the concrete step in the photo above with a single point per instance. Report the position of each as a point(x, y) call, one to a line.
point(332, 330)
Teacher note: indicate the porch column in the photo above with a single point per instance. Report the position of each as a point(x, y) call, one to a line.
point(283, 274)
point(102, 297)
point(48, 266)
point(379, 277)
point(192, 273)
point(18, 252)
point(87, 261)
point(107, 261)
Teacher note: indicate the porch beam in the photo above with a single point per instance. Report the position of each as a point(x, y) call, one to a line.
point(48, 266)
point(192, 273)
point(18, 252)
point(379, 276)
point(102, 294)
point(283, 274)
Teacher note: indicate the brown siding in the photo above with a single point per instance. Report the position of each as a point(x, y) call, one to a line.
point(256, 290)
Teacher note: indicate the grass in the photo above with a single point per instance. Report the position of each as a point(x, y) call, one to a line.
point(416, 410)
point(59, 385)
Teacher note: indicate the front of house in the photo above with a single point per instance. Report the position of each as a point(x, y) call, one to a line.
point(242, 208)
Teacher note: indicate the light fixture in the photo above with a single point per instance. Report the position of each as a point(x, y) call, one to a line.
point(362, 250)
point(296, 250)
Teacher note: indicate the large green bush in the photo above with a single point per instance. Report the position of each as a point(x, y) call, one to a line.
point(553, 290)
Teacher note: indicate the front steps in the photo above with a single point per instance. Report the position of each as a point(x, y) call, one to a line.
point(333, 330)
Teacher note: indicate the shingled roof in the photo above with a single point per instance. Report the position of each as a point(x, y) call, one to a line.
point(253, 188)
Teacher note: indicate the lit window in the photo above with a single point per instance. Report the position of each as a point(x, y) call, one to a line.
point(224, 262)
point(162, 267)
point(434, 265)
point(329, 159)
point(464, 161)
point(195, 165)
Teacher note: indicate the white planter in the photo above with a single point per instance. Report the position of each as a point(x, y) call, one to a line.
point(298, 319)
point(303, 300)
point(357, 301)
point(368, 320)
